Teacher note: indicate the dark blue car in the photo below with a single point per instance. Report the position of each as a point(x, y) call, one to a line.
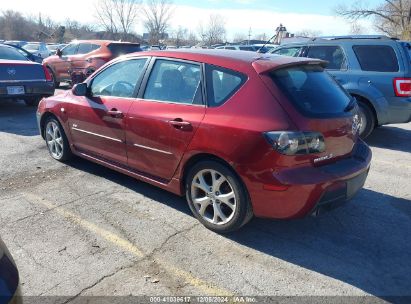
point(9, 277)
point(23, 79)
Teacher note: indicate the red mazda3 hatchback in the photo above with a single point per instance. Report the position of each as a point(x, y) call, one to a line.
point(238, 133)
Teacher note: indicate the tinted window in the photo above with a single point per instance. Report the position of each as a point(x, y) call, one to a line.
point(70, 49)
point(222, 84)
point(85, 48)
point(120, 79)
point(333, 54)
point(376, 58)
point(247, 48)
point(175, 81)
point(292, 51)
point(312, 90)
point(123, 48)
point(9, 53)
point(229, 48)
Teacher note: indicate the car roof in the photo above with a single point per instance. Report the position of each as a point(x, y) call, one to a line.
point(102, 42)
point(235, 60)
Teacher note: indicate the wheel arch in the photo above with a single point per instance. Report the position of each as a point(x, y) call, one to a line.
point(367, 102)
point(196, 158)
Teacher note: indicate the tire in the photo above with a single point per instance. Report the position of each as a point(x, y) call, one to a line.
point(53, 76)
point(56, 140)
point(33, 101)
point(367, 120)
point(214, 210)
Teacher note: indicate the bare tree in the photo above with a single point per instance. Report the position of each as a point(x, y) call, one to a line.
point(392, 17)
point(157, 15)
point(117, 16)
point(238, 37)
point(214, 31)
point(308, 33)
point(356, 28)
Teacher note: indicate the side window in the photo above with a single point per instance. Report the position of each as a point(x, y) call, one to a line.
point(84, 48)
point(292, 52)
point(71, 49)
point(175, 81)
point(333, 54)
point(120, 79)
point(222, 84)
point(376, 58)
point(229, 48)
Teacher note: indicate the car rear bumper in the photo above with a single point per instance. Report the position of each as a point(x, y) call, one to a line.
point(301, 191)
point(399, 110)
point(31, 89)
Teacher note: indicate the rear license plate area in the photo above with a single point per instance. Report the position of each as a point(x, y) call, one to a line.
point(15, 90)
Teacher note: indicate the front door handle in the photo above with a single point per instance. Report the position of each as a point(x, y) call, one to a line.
point(115, 113)
point(180, 124)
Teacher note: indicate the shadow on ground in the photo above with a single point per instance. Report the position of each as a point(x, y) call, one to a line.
point(390, 137)
point(17, 118)
point(366, 243)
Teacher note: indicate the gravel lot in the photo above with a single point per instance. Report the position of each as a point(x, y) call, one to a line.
point(83, 230)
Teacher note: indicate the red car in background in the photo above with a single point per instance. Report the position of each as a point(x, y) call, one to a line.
point(238, 133)
point(80, 59)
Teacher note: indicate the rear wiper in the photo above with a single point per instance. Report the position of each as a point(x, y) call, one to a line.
point(351, 105)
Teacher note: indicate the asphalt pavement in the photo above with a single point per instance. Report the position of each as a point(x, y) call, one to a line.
point(79, 229)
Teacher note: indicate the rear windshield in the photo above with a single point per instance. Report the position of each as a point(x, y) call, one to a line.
point(313, 91)
point(376, 58)
point(9, 53)
point(122, 49)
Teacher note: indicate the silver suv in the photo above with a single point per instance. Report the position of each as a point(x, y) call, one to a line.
point(376, 70)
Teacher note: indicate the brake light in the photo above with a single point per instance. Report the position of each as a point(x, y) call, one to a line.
point(296, 143)
point(47, 73)
point(402, 87)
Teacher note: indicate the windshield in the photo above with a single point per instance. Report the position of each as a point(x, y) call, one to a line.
point(123, 48)
point(9, 53)
point(32, 47)
point(312, 90)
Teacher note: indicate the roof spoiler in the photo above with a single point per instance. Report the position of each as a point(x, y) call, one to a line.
point(266, 65)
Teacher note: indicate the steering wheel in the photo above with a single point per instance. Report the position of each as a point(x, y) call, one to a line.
point(123, 89)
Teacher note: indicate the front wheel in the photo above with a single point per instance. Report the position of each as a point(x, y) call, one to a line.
point(217, 197)
point(56, 140)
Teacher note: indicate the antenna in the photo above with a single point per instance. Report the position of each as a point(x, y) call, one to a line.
point(281, 29)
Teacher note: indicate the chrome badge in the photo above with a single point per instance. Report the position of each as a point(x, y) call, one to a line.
point(327, 157)
point(356, 124)
point(11, 71)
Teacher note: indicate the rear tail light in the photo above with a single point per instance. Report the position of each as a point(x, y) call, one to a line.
point(402, 87)
point(296, 143)
point(47, 73)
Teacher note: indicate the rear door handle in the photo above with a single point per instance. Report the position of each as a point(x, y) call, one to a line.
point(180, 124)
point(115, 113)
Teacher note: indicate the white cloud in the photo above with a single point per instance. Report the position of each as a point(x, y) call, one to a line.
point(237, 20)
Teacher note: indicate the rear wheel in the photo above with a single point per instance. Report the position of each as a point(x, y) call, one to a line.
point(367, 120)
point(56, 140)
point(217, 197)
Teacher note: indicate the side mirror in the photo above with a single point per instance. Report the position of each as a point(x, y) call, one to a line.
point(80, 89)
point(59, 53)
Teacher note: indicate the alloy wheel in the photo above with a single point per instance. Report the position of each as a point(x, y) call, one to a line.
point(213, 197)
point(54, 140)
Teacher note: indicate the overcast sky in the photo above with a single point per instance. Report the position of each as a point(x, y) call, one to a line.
point(263, 16)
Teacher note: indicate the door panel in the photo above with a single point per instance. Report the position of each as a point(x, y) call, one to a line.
point(155, 140)
point(98, 127)
point(162, 122)
point(97, 122)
